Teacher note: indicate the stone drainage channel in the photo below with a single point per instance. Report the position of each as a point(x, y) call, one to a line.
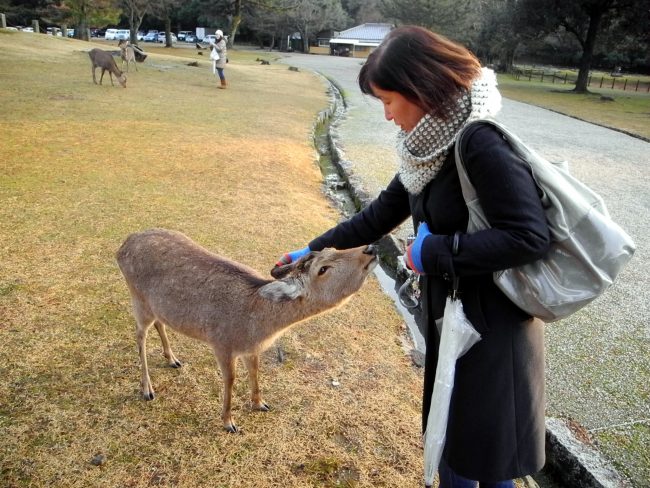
point(569, 462)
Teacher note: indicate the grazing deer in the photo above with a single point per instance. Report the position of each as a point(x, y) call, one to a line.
point(127, 53)
point(105, 61)
point(174, 281)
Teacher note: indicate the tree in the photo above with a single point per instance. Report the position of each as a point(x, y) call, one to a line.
point(311, 16)
point(584, 19)
point(448, 17)
point(86, 13)
point(163, 9)
point(135, 11)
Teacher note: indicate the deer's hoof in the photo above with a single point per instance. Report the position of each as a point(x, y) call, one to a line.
point(149, 395)
point(176, 364)
point(263, 407)
point(231, 428)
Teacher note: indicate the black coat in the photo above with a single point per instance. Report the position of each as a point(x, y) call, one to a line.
point(496, 423)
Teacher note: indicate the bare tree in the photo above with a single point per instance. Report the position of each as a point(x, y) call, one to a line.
point(163, 9)
point(312, 16)
point(135, 10)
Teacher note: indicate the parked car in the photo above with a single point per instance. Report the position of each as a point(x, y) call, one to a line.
point(140, 35)
point(209, 38)
point(161, 37)
point(152, 36)
point(183, 34)
point(110, 35)
point(191, 38)
point(123, 34)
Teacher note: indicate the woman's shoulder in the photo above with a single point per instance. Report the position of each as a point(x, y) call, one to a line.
point(479, 133)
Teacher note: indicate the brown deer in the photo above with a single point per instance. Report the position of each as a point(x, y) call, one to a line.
point(127, 54)
point(175, 282)
point(105, 61)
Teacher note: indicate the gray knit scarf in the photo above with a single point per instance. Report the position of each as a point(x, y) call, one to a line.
point(423, 150)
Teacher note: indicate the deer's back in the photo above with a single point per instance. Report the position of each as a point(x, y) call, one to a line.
point(101, 58)
point(176, 276)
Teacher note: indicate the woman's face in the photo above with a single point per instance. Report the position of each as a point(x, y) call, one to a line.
point(398, 108)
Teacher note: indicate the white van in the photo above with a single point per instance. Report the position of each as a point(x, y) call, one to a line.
point(117, 34)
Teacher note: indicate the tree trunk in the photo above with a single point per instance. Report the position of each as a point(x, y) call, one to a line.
point(168, 31)
point(588, 52)
point(236, 20)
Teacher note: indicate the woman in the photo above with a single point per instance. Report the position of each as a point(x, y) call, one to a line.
point(432, 88)
point(219, 47)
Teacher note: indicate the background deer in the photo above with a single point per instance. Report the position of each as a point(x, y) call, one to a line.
point(105, 61)
point(174, 281)
point(127, 53)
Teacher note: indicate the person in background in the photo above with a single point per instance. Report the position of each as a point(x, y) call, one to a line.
point(432, 88)
point(219, 47)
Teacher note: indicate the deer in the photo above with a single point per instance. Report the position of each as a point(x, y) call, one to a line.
point(127, 53)
point(175, 282)
point(105, 61)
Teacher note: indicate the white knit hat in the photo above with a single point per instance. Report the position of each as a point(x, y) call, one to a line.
point(219, 33)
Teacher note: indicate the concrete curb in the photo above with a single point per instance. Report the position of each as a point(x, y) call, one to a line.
point(571, 461)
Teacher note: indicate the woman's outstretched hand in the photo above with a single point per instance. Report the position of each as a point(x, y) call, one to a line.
point(414, 251)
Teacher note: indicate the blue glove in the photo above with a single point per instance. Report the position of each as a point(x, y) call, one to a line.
point(290, 257)
point(414, 251)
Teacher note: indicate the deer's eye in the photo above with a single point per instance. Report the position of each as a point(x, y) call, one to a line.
point(322, 270)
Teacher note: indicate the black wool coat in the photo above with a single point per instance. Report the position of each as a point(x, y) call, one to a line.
point(496, 423)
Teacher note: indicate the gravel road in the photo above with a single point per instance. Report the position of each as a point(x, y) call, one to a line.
point(598, 365)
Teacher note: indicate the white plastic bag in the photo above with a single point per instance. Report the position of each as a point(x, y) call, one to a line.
point(457, 337)
point(214, 55)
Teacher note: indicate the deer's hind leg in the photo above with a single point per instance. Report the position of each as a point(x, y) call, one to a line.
point(167, 350)
point(144, 320)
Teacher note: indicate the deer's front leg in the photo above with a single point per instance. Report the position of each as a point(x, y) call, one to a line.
point(227, 366)
point(252, 363)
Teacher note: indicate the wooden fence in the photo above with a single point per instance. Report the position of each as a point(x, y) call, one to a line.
point(601, 81)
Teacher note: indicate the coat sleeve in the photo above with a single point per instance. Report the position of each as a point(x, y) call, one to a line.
point(386, 212)
point(508, 195)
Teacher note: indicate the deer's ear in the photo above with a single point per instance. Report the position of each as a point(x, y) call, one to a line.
point(279, 272)
point(301, 265)
point(280, 290)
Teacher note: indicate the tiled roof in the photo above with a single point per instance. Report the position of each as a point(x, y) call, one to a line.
point(366, 32)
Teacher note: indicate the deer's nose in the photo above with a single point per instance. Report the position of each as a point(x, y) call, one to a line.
point(372, 250)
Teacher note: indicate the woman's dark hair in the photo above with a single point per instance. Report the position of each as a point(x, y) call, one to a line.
point(427, 68)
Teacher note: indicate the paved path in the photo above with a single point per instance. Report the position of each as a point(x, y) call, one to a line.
point(598, 366)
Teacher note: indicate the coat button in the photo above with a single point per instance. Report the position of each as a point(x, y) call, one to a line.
point(446, 276)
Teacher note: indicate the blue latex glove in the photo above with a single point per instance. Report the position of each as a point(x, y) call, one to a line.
point(414, 251)
point(290, 257)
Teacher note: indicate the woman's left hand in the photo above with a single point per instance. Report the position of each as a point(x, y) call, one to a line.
point(414, 251)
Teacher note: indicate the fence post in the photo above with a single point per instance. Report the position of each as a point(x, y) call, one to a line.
point(625, 84)
point(542, 77)
point(566, 76)
point(613, 82)
point(589, 81)
point(64, 30)
point(37, 30)
point(3, 21)
point(530, 75)
point(637, 86)
point(602, 78)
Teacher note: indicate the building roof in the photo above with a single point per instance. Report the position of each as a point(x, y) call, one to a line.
point(365, 34)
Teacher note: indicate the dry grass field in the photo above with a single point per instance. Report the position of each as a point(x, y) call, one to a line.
point(83, 166)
